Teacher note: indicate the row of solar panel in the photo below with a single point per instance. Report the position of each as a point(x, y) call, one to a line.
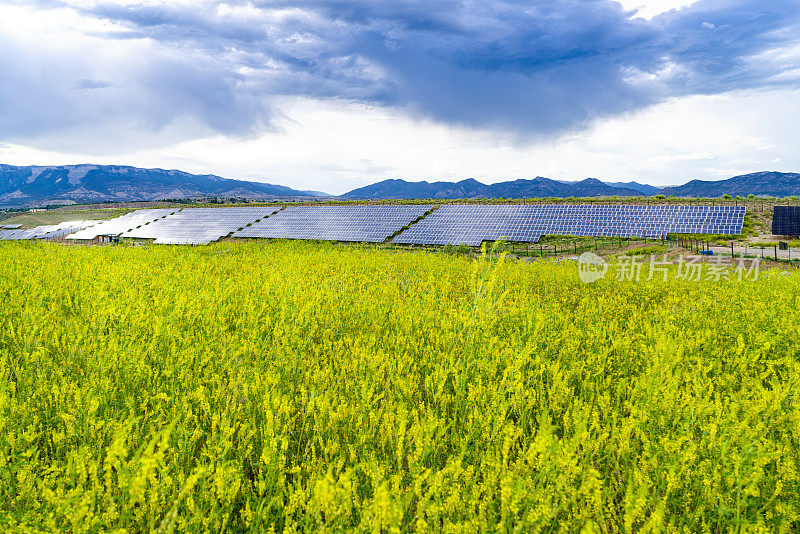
point(372, 224)
point(43, 232)
point(458, 224)
point(607, 208)
point(455, 224)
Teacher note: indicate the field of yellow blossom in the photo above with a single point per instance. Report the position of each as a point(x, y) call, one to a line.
point(311, 387)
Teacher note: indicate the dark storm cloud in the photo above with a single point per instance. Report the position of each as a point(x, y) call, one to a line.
point(538, 68)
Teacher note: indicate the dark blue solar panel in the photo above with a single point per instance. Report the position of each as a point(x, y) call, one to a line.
point(786, 220)
point(371, 224)
point(472, 224)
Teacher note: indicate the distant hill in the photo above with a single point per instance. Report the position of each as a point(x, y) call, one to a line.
point(768, 183)
point(536, 188)
point(644, 189)
point(70, 184)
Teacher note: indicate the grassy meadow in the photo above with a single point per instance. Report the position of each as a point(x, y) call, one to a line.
point(309, 387)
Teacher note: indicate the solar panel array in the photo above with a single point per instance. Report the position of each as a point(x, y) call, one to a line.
point(786, 220)
point(200, 226)
point(122, 224)
point(372, 224)
point(64, 229)
point(44, 232)
point(473, 224)
point(6, 235)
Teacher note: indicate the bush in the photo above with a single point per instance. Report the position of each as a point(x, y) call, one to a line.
point(645, 251)
point(457, 250)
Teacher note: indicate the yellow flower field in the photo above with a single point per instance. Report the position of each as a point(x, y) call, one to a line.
point(309, 387)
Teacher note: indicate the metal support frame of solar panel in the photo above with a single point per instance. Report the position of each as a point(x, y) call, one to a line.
point(371, 224)
point(122, 224)
point(786, 220)
point(473, 224)
point(200, 226)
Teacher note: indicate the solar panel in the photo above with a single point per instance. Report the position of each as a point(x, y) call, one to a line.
point(49, 231)
point(200, 226)
point(372, 224)
point(473, 224)
point(63, 229)
point(122, 224)
point(20, 234)
point(786, 220)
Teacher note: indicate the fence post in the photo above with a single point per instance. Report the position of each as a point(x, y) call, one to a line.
point(776, 252)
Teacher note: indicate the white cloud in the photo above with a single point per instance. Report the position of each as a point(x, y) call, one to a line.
point(336, 146)
point(648, 9)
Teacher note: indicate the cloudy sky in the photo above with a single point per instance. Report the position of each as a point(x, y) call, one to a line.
point(335, 94)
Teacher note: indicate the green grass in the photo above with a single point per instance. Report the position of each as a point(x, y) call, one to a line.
point(645, 250)
point(309, 387)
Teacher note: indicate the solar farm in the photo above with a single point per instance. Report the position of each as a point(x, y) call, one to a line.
point(403, 224)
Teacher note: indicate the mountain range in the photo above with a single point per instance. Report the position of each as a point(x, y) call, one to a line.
point(536, 188)
point(768, 184)
point(29, 186)
point(76, 184)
